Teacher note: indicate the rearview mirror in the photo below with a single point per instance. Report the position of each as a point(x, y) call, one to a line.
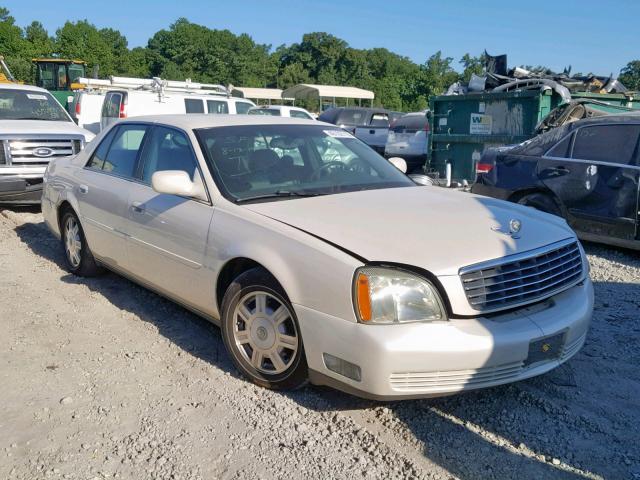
point(174, 182)
point(399, 163)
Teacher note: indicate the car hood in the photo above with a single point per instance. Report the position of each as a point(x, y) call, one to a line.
point(429, 227)
point(42, 127)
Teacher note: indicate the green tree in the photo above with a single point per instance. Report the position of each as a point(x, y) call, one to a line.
point(472, 65)
point(630, 75)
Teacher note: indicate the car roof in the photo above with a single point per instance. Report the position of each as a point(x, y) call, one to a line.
point(18, 86)
point(193, 121)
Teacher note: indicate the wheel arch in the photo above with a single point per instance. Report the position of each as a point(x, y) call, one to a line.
point(520, 194)
point(234, 268)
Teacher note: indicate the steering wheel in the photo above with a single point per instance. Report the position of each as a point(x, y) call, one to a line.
point(356, 164)
point(324, 169)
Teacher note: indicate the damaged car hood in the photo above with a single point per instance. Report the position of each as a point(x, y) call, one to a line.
point(432, 228)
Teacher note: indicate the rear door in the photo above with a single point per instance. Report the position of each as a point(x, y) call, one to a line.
point(168, 233)
point(595, 173)
point(103, 192)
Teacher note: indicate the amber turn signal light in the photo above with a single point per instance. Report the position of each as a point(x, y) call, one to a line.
point(364, 301)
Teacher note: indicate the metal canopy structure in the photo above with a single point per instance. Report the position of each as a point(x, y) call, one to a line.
point(305, 91)
point(252, 93)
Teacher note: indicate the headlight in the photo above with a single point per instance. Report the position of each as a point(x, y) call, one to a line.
point(386, 295)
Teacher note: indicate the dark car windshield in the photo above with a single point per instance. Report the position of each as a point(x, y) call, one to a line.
point(258, 162)
point(30, 105)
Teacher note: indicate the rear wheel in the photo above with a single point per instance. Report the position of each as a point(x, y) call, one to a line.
point(261, 332)
point(542, 202)
point(78, 257)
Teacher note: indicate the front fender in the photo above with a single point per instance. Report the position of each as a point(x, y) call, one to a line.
point(313, 273)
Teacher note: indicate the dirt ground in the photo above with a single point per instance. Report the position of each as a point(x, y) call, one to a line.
point(103, 379)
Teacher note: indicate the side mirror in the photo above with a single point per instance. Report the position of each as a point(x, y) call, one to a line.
point(399, 163)
point(174, 182)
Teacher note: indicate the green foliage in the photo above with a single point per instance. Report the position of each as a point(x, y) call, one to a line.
point(630, 75)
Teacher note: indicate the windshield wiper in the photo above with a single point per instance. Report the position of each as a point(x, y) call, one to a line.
point(281, 194)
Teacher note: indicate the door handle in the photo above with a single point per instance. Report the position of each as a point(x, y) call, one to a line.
point(560, 170)
point(137, 207)
point(83, 189)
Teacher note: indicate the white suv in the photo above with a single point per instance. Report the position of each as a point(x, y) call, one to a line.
point(34, 129)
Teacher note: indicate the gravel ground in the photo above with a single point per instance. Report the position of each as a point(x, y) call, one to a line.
point(104, 379)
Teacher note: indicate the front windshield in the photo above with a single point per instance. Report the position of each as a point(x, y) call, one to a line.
point(255, 162)
point(30, 105)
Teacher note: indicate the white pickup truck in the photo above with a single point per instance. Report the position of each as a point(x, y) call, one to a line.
point(34, 129)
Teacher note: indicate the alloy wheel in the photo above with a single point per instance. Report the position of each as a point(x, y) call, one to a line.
point(265, 333)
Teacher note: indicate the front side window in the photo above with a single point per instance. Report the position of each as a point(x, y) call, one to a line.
point(243, 107)
point(123, 151)
point(268, 161)
point(193, 105)
point(217, 106)
point(30, 105)
point(167, 149)
point(607, 143)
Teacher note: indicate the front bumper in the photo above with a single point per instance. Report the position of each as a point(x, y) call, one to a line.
point(20, 191)
point(435, 359)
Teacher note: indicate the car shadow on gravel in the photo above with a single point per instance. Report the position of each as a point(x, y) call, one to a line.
point(503, 432)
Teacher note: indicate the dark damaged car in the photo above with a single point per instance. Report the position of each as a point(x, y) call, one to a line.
point(587, 172)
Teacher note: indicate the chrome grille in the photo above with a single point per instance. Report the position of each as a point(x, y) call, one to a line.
point(524, 279)
point(36, 151)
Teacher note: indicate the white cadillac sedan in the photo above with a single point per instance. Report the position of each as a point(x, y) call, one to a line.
point(319, 259)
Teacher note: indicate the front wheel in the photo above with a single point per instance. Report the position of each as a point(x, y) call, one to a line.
point(78, 257)
point(261, 332)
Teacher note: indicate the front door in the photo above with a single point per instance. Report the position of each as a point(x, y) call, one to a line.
point(168, 233)
point(595, 173)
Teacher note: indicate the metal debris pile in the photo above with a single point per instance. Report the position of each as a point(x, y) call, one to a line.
point(498, 78)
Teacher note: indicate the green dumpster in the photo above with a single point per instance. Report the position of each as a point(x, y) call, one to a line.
point(462, 126)
point(629, 100)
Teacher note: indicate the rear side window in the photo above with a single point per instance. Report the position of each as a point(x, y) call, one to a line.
point(193, 105)
point(243, 107)
point(217, 106)
point(562, 149)
point(167, 149)
point(299, 114)
point(607, 143)
point(97, 159)
point(123, 151)
point(352, 117)
point(111, 108)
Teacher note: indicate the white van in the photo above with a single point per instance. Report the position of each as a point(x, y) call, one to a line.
point(86, 109)
point(134, 103)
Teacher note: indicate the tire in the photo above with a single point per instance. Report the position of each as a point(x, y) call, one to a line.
point(542, 202)
point(77, 255)
point(261, 332)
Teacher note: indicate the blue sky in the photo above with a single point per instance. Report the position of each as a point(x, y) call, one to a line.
point(589, 35)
